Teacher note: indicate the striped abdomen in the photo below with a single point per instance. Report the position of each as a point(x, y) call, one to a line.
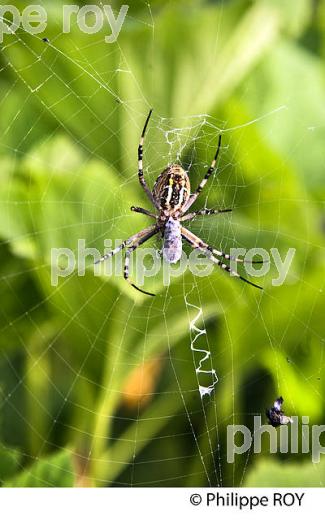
point(172, 188)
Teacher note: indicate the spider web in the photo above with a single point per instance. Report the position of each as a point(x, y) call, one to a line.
point(134, 391)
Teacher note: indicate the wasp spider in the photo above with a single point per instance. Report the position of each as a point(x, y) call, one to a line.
point(172, 198)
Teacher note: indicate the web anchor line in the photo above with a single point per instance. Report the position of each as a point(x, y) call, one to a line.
point(206, 354)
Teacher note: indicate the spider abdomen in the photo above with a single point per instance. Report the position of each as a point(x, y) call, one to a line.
point(172, 188)
point(172, 249)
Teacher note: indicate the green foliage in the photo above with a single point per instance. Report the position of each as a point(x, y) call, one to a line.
point(9, 462)
point(70, 119)
point(268, 473)
point(56, 471)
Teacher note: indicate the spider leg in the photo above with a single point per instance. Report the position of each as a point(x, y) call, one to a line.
point(140, 163)
point(196, 243)
point(129, 241)
point(128, 253)
point(205, 179)
point(191, 216)
point(216, 252)
point(143, 211)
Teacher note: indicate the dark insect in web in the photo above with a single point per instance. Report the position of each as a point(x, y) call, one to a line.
point(276, 415)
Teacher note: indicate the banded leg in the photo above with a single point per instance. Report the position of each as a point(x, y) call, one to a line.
point(128, 253)
point(140, 162)
point(138, 237)
point(143, 211)
point(191, 216)
point(196, 243)
point(200, 187)
point(195, 239)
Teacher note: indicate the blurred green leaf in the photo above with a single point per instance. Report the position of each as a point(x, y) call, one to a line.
point(55, 471)
point(268, 473)
point(10, 462)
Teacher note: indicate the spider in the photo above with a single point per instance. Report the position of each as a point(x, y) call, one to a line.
point(172, 198)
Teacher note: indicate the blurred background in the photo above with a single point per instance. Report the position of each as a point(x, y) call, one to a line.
point(98, 383)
